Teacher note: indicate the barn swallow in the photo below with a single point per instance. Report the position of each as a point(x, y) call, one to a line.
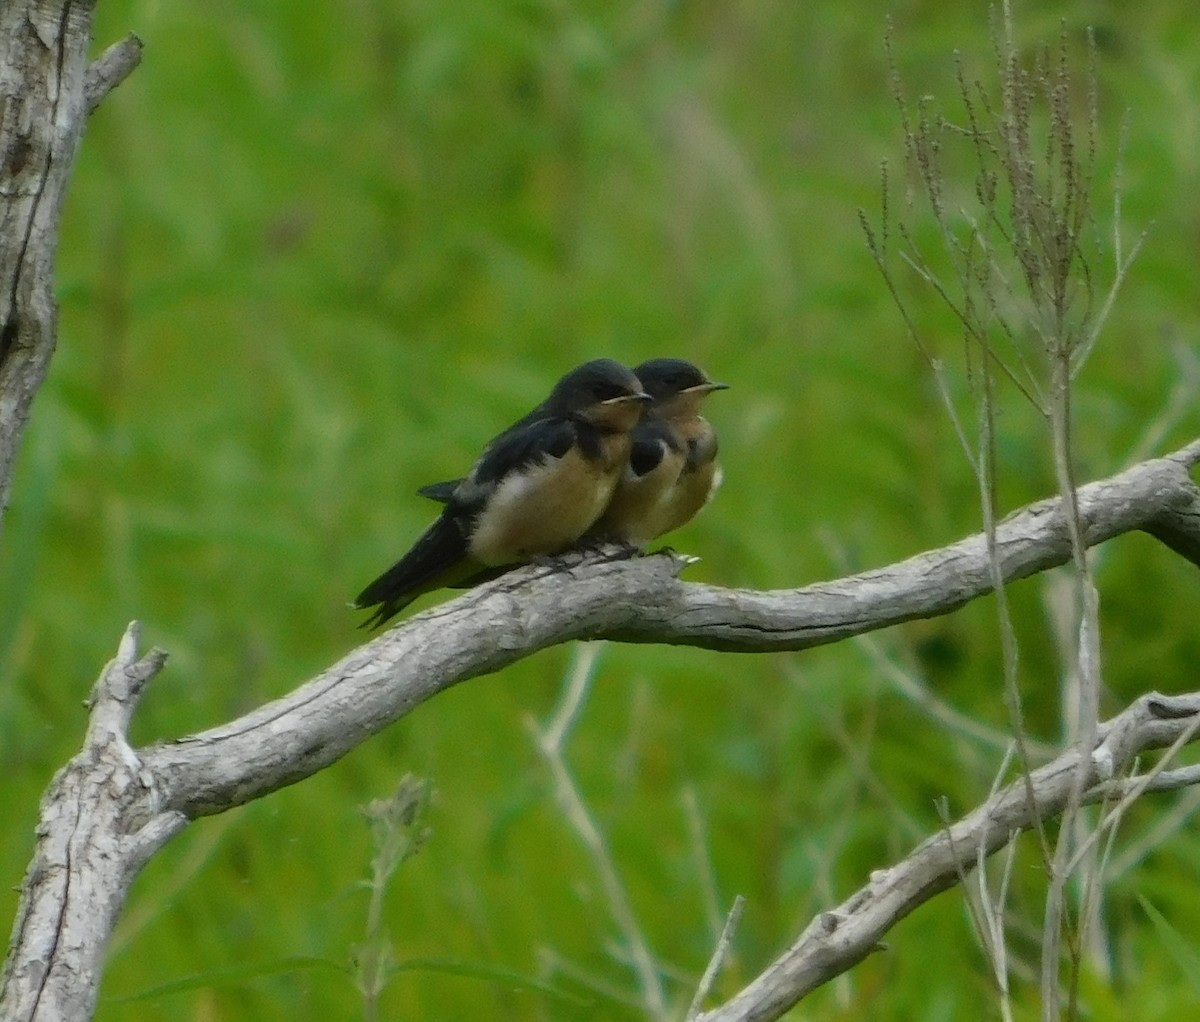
point(672, 471)
point(534, 491)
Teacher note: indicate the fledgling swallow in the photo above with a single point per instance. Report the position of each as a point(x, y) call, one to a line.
point(672, 471)
point(535, 490)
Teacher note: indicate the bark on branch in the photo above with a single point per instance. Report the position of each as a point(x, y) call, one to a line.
point(110, 69)
point(639, 600)
point(43, 65)
point(113, 806)
point(99, 825)
point(842, 937)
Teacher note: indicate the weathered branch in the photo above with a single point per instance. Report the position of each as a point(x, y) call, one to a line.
point(112, 807)
point(110, 69)
point(99, 825)
point(1178, 526)
point(843, 936)
point(1028, 541)
point(640, 600)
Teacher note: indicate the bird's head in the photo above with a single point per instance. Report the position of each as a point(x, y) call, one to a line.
point(601, 392)
point(676, 386)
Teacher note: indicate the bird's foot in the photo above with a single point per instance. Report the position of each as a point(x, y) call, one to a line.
point(683, 560)
point(588, 552)
point(605, 550)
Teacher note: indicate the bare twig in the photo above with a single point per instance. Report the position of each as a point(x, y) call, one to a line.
point(1134, 790)
point(1166, 780)
point(841, 937)
point(110, 69)
point(550, 740)
point(718, 958)
point(704, 870)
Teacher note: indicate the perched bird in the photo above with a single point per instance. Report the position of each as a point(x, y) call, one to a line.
point(535, 490)
point(672, 471)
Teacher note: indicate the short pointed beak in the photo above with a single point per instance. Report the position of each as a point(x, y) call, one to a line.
point(641, 396)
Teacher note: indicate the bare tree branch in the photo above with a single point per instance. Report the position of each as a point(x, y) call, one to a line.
point(98, 827)
point(113, 806)
point(639, 600)
point(110, 69)
point(843, 936)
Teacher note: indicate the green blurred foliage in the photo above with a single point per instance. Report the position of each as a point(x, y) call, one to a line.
point(315, 255)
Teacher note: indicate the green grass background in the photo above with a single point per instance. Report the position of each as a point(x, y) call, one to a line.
point(314, 255)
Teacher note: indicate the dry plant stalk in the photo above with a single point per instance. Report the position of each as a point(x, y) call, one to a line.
point(1020, 267)
point(398, 832)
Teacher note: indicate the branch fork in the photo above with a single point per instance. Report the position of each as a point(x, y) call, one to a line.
point(100, 822)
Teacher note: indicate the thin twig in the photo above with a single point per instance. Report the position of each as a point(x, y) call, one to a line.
point(110, 69)
point(1136, 789)
point(717, 959)
point(550, 740)
point(700, 852)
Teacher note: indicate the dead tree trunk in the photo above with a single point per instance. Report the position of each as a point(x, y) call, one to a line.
point(47, 89)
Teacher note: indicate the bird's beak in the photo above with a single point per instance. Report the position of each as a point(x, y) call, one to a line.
point(641, 396)
point(706, 388)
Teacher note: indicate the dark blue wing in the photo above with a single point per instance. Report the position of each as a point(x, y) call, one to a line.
point(538, 422)
point(512, 451)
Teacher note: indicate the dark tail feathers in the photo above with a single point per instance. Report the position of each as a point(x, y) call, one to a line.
point(443, 493)
point(428, 565)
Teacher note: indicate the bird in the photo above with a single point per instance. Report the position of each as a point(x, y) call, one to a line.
point(534, 491)
point(672, 470)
